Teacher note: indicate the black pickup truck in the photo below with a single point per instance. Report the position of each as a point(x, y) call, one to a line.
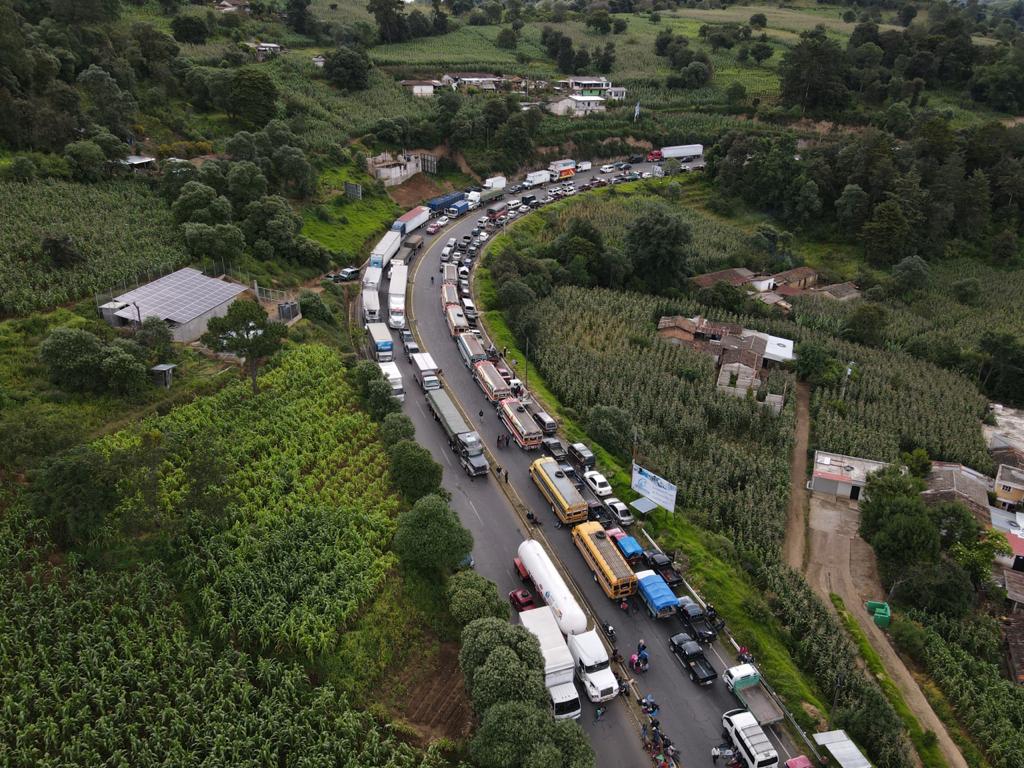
point(695, 621)
point(692, 657)
point(661, 564)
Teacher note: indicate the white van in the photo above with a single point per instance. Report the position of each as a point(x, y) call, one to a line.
point(446, 254)
point(753, 748)
point(469, 308)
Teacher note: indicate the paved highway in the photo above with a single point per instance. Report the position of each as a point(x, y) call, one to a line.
point(690, 715)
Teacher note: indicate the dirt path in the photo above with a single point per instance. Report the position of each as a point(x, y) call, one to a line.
point(843, 563)
point(794, 546)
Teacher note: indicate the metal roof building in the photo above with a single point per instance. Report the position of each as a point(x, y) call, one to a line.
point(841, 476)
point(185, 300)
point(845, 752)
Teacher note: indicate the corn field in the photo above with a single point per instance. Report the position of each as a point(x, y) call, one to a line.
point(310, 505)
point(730, 457)
point(120, 230)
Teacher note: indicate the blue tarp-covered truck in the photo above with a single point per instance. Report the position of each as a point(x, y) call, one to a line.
point(661, 601)
point(445, 201)
point(630, 549)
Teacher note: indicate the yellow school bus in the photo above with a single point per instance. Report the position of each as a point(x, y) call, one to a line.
point(611, 569)
point(560, 491)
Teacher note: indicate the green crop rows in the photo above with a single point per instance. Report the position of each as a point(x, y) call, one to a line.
point(120, 229)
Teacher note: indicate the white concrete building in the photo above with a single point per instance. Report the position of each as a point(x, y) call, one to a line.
point(842, 476)
point(422, 88)
point(575, 105)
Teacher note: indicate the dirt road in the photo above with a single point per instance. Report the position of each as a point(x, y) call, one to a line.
point(794, 545)
point(843, 563)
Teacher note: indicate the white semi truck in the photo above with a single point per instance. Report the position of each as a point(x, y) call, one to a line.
point(558, 662)
point(593, 667)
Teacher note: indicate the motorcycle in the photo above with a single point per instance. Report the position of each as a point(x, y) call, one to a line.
point(533, 520)
point(609, 631)
point(745, 656)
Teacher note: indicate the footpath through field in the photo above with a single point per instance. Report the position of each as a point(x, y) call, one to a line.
point(841, 562)
point(795, 545)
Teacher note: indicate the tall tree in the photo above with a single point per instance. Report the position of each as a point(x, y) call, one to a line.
point(658, 241)
point(392, 26)
point(813, 73)
point(252, 96)
point(348, 69)
point(247, 332)
point(429, 537)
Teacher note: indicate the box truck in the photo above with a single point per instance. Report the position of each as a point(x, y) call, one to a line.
point(558, 662)
point(551, 587)
point(463, 441)
point(562, 169)
point(394, 377)
point(381, 346)
point(412, 220)
point(386, 247)
point(495, 182)
point(426, 371)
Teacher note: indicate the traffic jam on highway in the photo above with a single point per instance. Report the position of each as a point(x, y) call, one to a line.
point(637, 580)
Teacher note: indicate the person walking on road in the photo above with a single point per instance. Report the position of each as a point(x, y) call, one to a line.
point(715, 754)
point(506, 476)
point(481, 413)
point(641, 647)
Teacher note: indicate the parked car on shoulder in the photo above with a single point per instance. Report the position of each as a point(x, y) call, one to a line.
point(662, 565)
point(346, 274)
point(608, 168)
point(554, 448)
point(636, 158)
point(695, 621)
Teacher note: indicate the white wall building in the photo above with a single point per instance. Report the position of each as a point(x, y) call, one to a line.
point(575, 105)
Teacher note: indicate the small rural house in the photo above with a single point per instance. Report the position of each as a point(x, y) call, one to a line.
point(798, 277)
point(838, 291)
point(185, 300)
point(1009, 486)
point(484, 81)
point(841, 476)
point(421, 88)
point(955, 482)
point(575, 105)
point(319, 60)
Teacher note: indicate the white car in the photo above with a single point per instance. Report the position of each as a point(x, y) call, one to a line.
point(607, 169)
point(443, 221)
point(597, 483)
point(483, 237)
point(483, 221)
point(646, 175)
point(513, 204)
point(621, 512)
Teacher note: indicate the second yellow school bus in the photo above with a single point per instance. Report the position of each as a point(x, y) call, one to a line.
point(566, 502)
point(611, 569)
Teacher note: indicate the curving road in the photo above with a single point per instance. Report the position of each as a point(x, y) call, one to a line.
point(690, 715)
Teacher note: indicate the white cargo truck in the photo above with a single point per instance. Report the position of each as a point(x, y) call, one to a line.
point(495, 182)
point(394, 377)
point(558, 663)
point(593, 667)
point(372, 277)
point(427, 371)
point(551, 588)
point(371, 306)
point(399, 280)
point(536, 179)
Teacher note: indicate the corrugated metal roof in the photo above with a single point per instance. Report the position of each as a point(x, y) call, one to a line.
point(179, 297)
point(843, 749)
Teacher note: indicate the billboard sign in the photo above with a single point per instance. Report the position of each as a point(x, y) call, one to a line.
point(655, 488)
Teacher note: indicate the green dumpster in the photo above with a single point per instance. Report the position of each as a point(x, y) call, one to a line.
point(881, 613)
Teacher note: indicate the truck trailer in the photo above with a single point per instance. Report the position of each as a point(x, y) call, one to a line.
point(558, 663)
point(381, 345)
point(427, 371)
point(464, 442)
point(394, 377)
point(661, 602)
point(399, 279)
point(412, 220)
point(386, 247)
point(551, 587)
point(537, 179)
point(372, 278)
point(371, 305)
point(682, 152)
point(441, 202)
point(745, 682)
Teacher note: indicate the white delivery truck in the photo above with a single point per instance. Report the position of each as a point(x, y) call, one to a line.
point(394, 377)
point(399, 280)
point(558, 663)
point(426, 371)
point(396, 312)
point(583, 165)
point(550, 586)
point(371, 305)
point(593, 667)
point(381, 345)
point(495, 182)
point(372, 278)
point(536, 179)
